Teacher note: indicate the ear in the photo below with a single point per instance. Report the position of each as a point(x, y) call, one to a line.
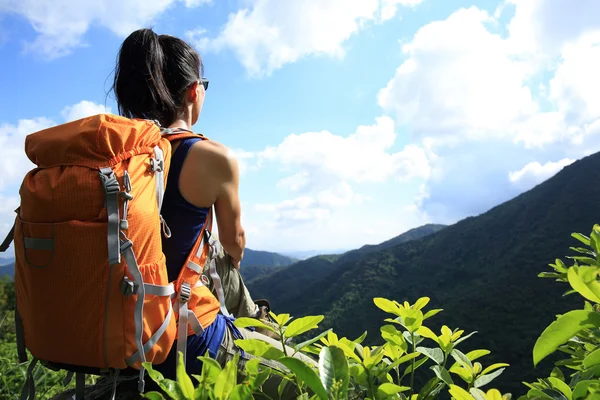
point(194, 91)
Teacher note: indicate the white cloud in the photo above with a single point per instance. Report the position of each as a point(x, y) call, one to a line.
point(272, 33)
point(459, 79)
point(83, 109)
point(61, 24)
point(14, 162)
point(575, 87)
point(540, 28)
point(363, 156)
point(534, 172)
point(484, 105)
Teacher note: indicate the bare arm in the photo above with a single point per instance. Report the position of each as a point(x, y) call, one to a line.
point(228, 210)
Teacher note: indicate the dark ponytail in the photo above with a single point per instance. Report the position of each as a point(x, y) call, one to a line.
point(152, 74)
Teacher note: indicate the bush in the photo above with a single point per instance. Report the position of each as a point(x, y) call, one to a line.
point(345, 369)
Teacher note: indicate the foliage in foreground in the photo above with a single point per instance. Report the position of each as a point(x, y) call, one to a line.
point(345, 369)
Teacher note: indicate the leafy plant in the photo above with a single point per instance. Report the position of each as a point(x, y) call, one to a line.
point(575, 333)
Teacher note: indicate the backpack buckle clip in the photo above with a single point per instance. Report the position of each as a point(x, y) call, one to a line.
point(185, 292)
point(157, 165)
point(129, 287)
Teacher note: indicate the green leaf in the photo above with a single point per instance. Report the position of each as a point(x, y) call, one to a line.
point(281, 319)
point(483, 380)
point(184, 381)
point(462, 359)
point(462, 339)
point(210, 369)
point(478, 394)
point(388, 389)
point(412, 320)
point(582, 238)
point(302, 325)
point(422, 302)
point(431, 313)
point(154, 396)
point(240, 392)
point(392, 335)
point(561, 330)
point(561, 386)
point(557, 373)
point(227, 379)
point(170, 387)
point(464, 373)
point(475, 354)
point(244, 322)
point(302, 345)
point(583, 260)
point(493, 367)
point(417, 364)
point(387, 305)
point(580, 286)
point(581, 390)
point(306, 374)
point(361, 338)
point(592, 358)
point(443, 374)
point(435, 354)
point(252, 366)
point(333, 367)
point(459, 393)
point(260, 348)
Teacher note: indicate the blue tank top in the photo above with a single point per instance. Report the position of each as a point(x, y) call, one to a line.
point(184, 219)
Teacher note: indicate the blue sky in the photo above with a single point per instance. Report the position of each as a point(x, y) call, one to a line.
point(352, 120)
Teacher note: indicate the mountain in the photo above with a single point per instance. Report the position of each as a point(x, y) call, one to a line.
point(284, 283)
point(259, 263)
point(7, 267)
point(305, 254)
point(482, 271)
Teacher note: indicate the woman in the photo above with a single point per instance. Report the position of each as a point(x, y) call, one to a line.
point(159, 77)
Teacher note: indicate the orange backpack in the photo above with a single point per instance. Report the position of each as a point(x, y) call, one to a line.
point(90, 277)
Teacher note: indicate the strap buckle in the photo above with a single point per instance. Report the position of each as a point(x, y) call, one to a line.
point(157, 165)
point(185, 293)
point(129, 287)
point(109, 180)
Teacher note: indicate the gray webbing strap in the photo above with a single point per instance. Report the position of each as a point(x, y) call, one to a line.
point(38, 244)
point(184, 295)
point(132, 266)
point(111, 195)
point(159, 174)
point(153, 340)
point(212, 269)
point(159, 290)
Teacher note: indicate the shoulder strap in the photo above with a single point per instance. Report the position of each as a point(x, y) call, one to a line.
point(173, 134)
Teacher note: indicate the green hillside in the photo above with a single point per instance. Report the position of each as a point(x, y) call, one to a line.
point(283, 284)
point(259, 263)
point(482, 271)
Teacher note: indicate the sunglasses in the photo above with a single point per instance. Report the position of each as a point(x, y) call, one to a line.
point(204, 82)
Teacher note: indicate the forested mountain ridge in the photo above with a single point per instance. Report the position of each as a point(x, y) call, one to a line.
point(483, 271)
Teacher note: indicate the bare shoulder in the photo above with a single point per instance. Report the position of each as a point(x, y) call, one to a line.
point(215, 156)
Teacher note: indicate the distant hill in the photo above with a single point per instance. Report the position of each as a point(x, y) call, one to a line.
point(7, 267)
point(259, 263)
point(283, 284)
point(305, 254)
point(482, 271)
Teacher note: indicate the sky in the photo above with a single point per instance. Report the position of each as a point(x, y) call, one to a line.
point(352, 120)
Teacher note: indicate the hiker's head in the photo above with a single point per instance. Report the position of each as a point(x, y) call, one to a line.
point(158, 77)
